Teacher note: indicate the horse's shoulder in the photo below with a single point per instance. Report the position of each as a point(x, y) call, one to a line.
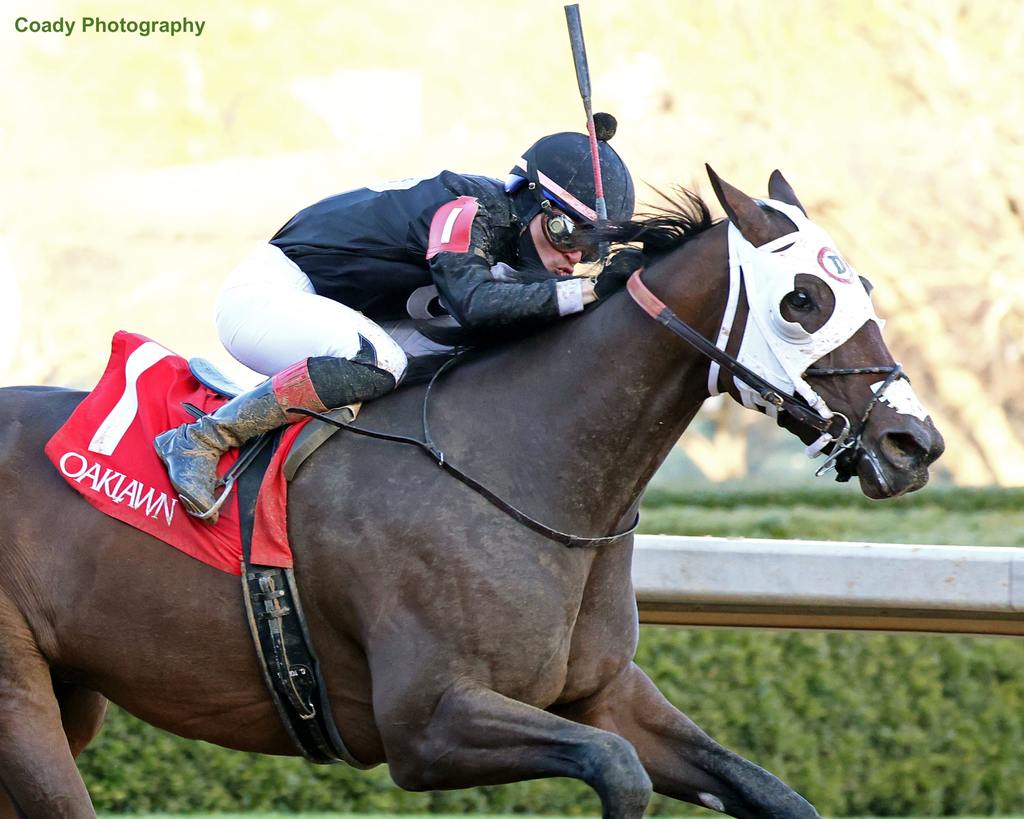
point(606, 631)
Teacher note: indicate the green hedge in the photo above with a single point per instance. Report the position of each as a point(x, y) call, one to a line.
point(861, 724)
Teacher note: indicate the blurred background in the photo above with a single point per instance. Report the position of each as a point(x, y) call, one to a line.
point(137, 170)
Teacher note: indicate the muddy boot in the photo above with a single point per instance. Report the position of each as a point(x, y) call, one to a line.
point(192, 451)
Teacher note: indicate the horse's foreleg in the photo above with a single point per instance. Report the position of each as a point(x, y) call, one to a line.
point(683, 761)
point(36, 766)
point(81, 712)
point(474, 736)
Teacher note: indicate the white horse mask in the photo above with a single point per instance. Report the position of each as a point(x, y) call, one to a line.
point(774, 347)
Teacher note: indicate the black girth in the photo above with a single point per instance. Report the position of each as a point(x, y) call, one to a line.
point(285, 650)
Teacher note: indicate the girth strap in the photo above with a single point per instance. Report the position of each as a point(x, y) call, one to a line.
point(283, 645)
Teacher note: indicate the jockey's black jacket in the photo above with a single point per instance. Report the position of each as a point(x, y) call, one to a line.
point(367, 249)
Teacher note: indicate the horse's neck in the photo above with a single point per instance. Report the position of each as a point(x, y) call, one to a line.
point(595, 405)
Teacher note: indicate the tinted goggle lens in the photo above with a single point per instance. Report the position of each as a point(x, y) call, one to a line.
point(564, 235)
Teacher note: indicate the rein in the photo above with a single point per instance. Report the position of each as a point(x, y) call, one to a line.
point(794, 405)
point(846, 440)
point(428, 446)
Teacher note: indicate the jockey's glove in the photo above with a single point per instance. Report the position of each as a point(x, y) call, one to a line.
point(622, 264)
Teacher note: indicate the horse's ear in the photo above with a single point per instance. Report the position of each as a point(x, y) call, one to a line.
point(780, 189)
point(754, 223)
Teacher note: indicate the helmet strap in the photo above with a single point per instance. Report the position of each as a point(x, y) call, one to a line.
point(533, 182)
point(528, 253)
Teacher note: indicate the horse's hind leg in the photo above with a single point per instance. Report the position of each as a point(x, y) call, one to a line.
point(37, 768)
point(474, 736)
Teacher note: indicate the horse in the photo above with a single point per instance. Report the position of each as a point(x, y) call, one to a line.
point(458, 646)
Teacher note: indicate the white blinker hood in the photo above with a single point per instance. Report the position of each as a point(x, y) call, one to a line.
point(777, 349)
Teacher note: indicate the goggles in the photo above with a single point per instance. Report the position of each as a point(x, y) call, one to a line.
point(563, 234)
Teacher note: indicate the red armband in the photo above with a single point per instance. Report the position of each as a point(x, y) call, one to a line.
point(450, 228)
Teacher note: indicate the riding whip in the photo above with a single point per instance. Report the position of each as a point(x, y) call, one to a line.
point(579, 58)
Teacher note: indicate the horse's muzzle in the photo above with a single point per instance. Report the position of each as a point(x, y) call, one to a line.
point(896, 458)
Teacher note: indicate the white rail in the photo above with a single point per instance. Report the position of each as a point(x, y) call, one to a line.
point(825, 585)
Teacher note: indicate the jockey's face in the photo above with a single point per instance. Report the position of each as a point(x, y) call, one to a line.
point(559, 262)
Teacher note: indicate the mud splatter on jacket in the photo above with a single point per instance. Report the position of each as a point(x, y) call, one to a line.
point(367, 249)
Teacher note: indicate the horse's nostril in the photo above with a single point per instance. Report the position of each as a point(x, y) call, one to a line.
point(902, 447)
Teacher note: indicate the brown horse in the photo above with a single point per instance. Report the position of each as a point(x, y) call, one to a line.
point(458, 646)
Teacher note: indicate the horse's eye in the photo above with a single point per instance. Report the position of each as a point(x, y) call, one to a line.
point(799, 299)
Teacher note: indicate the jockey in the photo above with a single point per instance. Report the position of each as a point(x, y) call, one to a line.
point(324, 308)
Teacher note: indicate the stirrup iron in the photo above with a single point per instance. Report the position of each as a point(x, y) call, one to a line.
point(195, 511)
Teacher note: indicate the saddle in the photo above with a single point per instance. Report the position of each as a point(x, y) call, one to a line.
point(278, 627)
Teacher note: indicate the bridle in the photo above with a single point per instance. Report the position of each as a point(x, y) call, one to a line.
point(848, 450)
point(845, 439)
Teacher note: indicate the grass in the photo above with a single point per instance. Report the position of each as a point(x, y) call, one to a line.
point(939, 515)
point(382, 816)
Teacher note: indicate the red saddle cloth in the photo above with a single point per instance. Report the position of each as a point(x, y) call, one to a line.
point(105, 452)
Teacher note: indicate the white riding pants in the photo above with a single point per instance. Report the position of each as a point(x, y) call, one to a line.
point(269, 316)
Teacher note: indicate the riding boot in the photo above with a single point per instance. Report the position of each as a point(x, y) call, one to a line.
point(192, 451)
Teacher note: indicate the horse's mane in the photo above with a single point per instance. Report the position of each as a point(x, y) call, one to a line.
point(662, 228)
point(659, 231)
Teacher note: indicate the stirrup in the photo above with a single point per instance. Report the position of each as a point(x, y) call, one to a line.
point(196, 512)
point(245, 459)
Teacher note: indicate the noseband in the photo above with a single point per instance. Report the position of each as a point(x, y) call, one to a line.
point(837, 431)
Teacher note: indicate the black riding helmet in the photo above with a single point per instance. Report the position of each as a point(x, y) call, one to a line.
point(557, 171)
